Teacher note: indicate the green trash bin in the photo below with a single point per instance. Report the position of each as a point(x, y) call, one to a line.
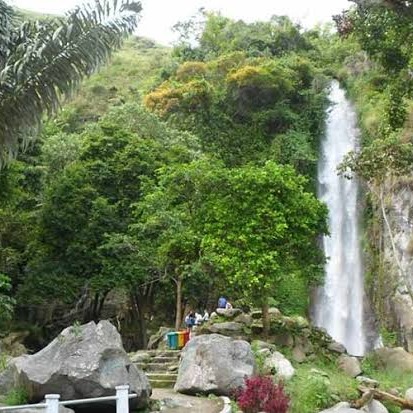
point(173, 340)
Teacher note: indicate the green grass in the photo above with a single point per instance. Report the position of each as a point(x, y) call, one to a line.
point(16, 396)
point(131, 72)
point(319, 385)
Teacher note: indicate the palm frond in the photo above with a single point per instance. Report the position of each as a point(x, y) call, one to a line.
point(7, 18)
point(47, 60)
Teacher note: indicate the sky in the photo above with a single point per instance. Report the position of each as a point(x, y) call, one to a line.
point(159, 16)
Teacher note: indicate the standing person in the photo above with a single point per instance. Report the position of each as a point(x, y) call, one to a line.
point(190, 320)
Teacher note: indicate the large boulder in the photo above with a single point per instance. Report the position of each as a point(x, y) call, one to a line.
point(214, 364)
point(83, 361)
point(394, 359)
point(374, 407)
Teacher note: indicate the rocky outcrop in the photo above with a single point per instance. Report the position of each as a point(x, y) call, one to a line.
point(83, 361)
point(214, 364)
point(392, 291)
point(294, 332)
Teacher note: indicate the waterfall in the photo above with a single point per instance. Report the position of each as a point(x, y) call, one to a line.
point(339, 303)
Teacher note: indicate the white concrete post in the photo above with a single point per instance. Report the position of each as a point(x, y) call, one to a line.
point(52, 403)
point(122, 399)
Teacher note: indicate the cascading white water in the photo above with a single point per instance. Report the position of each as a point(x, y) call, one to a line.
point(339, 303)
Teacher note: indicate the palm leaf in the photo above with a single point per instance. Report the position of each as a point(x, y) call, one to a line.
point(45, 61)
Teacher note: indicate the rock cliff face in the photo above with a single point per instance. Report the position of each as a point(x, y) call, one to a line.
point(392, 287)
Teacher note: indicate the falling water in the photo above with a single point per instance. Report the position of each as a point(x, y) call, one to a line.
point(339, 303)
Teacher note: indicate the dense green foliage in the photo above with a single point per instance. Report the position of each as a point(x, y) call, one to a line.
point(171, 179)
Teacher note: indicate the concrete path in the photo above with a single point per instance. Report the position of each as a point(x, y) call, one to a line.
point(180, 403)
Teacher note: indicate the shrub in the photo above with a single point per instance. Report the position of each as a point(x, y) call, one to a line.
point(261, 394)
point(16, 396)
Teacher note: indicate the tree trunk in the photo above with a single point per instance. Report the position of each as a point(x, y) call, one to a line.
point(265, 318)
point(140, 305)
point(382, 395)
point(178, 319)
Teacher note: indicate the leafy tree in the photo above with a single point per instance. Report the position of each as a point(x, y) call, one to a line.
point(41, 62)
point(262, 227)
point(250, 226)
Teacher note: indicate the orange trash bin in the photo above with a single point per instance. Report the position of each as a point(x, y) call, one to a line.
point(181, 339)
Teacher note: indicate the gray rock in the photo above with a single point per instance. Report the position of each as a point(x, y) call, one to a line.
point(342, 407)
point(298, 355)
point(256, 314)
point(374, 407)
point(283, 339)
point(409, 395)
point(350, 365)
point(213, 315)
point(336, 347)
point(394, 359)
point(243, 319)
point(230, 313)
point(406, 411)
point(304, 344)
point(257, 327)
point(226, 328)
point(279, 365)
point(139, 357)
point(366, 381)
point(83, 361)
point(266, 352)
point(274, 312)
point(158, 337)
point(259, 345)
point(214, 364)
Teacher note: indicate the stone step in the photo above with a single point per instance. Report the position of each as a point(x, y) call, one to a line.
point(163, 353)
point(163, 359)
point(162, 384)
point(162, 376)
point(155, 366)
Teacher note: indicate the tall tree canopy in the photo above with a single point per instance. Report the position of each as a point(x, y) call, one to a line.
point(43, 61)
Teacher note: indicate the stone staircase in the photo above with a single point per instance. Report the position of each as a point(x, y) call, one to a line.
point(160, 366)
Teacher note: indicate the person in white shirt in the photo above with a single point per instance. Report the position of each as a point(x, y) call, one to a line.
point(198, 319)
point(205, 317)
